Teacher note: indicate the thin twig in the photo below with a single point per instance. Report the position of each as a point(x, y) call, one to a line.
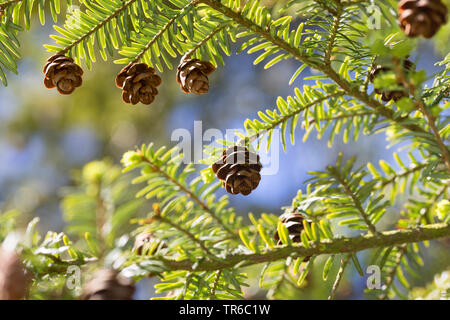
point(326, 246)
point(421, 107)
point(97, 27)
point(201, 43)
point(402, 175)
point(402, 249)
point(164, 29)
point(391, 273)
point(291, 114)
point(75, 262)
point(339, 276)
point(200, 243)
point(356, 201)
point(216, 283)
point(333, 33)
point(343, 116)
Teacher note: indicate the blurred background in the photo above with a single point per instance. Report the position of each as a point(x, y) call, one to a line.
point(45, 138)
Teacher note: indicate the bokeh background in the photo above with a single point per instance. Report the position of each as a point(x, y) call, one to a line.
point(45, 137)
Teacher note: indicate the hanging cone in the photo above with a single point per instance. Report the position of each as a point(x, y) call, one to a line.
point(144, 242)
point(63, 73)
point(294, 225)
point(421, 17)
point(14, 282)
point(107, 284)
point(238, 169)
point(139, 83)
point(388, 95)
point(192, 75)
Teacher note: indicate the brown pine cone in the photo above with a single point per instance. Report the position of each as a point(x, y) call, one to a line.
point(192, 75)
point(63, 73)
point(389, 95)
point(107, 284)
point(238, 169)
point(421, 17)
point(144, 242)
point(294, 224)
point(14, 282)
point(141, 242)
point(138, 82)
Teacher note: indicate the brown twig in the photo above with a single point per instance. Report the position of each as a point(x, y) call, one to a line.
point(339, 276)
point(326, 246)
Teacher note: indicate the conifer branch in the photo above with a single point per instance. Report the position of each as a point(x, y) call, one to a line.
point(343, 116)
point(65, 263)
point(335, 246)
point(98, 26)
point(401, 175)
point(421, 107)
point(176, 226)
point(431, 122)
point(391, 273)
point(191, 195)
point(204, 40)
point(164, 29)
point(342, 181)
point(288, 116)
point(402, 249)
point(315, 64)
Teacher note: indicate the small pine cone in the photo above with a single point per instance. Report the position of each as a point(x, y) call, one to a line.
point(107, 284)
point(14, 282)
point(141, 242)
point(389, 95)
point(63, 73)
point(138, 82)
point(144, 242)
point(238, 169)
point(294, 225)
point(421, 17)
point(192, 75)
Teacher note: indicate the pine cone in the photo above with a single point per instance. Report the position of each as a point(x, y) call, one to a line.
point(141, 242)
point(238, 169)
point(14, 282)
point(107, 284)
point(421, 17)
point(294, 224)
point(64, 74)
point(395, 94)
point(144, 242)
point(192, 75)
point(138, 82)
